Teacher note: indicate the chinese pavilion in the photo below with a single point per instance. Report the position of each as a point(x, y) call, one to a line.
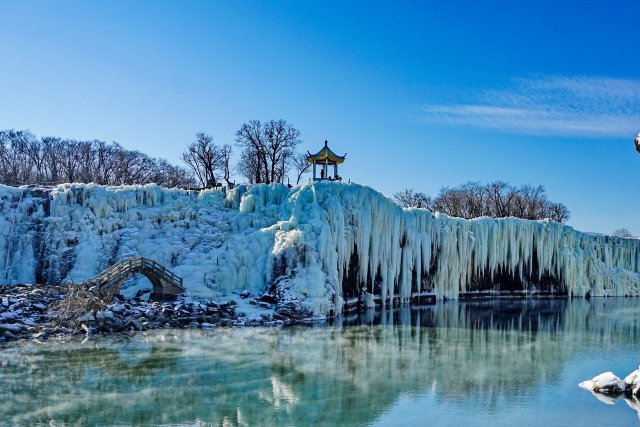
point(325, 158)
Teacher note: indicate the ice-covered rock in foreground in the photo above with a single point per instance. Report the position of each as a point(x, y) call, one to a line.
point(633, 382)
point(606, 383)
point(318, 245)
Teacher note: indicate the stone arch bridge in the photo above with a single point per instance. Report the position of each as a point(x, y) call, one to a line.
point(165, 283)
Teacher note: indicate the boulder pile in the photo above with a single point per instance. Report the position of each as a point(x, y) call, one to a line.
point(610, 384)
point(38, 312)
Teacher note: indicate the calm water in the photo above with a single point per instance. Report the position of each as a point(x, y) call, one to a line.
point(498, 363)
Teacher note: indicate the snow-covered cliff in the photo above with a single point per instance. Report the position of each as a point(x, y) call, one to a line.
point(323, 244)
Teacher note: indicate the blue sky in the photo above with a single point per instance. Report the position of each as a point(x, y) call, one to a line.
point(419, 94)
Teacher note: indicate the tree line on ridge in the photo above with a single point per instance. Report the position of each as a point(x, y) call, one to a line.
point(267, 154)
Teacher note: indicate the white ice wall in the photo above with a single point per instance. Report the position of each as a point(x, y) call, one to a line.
point(219, 243)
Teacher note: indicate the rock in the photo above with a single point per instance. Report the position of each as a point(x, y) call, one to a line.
point(104, 314)
point(226, 322)
point(13, 328)
point(117, 308)
point(5, 302)
point(212, 319)
point(39, 306)
point(88, 317)
point(268, 299)
point(63, 330)
point(9, 336)
point(150, 313)
point(136, 324)
point(291, 310)
point(606, 383)
point(116, 323)
point(244, 294)
point(9, 315)
point(632, 382)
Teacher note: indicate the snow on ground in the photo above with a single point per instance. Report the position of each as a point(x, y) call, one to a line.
point(315, 243)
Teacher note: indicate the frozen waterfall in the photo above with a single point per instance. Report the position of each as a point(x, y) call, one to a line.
point(323, 244)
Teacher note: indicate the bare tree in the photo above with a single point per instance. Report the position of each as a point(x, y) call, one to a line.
point(558, 212)
point(52, 149)
point(267, 150)
point(501, 196)
point(17, 157)
point(25, 159)
point(531, 202)
point(225, 155)
point(204, 159)
point(623, 232)
point(249, 165)
point(475, 200)
point(70, 161)
point(253, 161)
point(281, 141)
point(409, 198)
point(168, 175)
point(498, 199)
point(300, 166)
point(450, 201)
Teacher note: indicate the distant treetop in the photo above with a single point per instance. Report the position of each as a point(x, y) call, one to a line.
point(497, 199)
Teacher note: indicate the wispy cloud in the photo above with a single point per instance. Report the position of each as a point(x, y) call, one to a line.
point(551, 105)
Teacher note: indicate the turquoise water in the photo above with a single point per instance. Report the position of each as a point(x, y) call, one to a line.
point(497, 363)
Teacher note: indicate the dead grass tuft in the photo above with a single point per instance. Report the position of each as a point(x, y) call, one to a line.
point(77, 301)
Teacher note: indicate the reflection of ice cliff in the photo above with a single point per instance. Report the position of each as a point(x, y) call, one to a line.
point(325, 244)
point(323, 375)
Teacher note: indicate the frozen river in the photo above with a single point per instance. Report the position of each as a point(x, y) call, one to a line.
point(496, 363)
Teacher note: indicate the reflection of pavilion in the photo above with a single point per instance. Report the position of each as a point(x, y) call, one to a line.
point(325, 158)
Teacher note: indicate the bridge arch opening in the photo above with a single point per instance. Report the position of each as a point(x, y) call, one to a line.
point(137, 285)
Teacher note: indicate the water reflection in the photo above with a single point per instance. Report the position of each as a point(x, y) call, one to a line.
point(480, 356)
point(631, 401)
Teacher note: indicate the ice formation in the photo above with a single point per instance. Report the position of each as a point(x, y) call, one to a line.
point(322, 244)
point(608, 383)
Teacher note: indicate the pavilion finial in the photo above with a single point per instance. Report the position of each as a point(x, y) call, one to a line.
point(326, 143)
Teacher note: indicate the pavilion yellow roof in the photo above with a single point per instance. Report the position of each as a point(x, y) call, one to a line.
point(325, 156)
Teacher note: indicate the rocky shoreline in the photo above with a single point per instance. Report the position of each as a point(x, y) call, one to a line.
point(31, 312)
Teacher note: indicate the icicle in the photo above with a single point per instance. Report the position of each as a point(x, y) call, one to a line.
point(307, 235)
